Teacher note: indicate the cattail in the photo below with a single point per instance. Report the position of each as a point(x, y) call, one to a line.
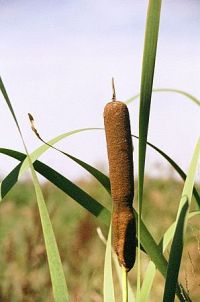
point(120, 157)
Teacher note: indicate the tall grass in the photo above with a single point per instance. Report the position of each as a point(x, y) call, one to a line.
point(169, 267)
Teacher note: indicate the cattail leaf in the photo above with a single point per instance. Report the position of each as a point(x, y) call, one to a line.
point(108, 288)
point(175, 258)
point(149, 57)
point(186, 94)
point(96, 173)
point(102, 178)
point(147, 282)
point(148, 65)
point(60, 291)
point(6, 98)
point(83, 198)
point(181, 221)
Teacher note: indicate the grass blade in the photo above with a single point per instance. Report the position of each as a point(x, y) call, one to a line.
point(93, 171)
point(149, 56)
point(60, 290)
point(147, 282)
point(181, 221)
point(59, 286)
point(186, 94)
point(148, 65)
point(175, 256)
point(5, 95)
point(108, 288)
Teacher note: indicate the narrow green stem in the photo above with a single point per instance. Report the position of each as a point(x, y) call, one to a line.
point(138, 256)
point(124, 284)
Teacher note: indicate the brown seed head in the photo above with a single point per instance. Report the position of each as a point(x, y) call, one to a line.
point(120, 157)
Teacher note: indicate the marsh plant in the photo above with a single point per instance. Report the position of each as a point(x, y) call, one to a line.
point(127, 216)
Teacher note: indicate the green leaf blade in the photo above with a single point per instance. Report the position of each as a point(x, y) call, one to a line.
point(148, 65)
point(108, 288)
point(147, 282)
point(59, 286)
point(171, 90)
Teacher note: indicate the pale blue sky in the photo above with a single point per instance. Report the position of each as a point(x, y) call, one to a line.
point(57, 59)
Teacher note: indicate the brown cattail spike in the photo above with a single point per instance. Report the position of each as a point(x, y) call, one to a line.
point(120, 157)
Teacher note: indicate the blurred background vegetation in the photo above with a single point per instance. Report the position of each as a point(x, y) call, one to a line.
point(24, 274)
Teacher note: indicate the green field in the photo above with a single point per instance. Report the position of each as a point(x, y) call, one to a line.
point(24, 274)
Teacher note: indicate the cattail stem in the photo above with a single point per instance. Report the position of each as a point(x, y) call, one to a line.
point(138, 260)
point(124, 284)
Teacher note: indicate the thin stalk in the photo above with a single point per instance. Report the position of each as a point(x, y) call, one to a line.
point(124, 284)
point(138, 264)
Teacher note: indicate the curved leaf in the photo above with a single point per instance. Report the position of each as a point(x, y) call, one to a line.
point(187, 95)
point(5, 95)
